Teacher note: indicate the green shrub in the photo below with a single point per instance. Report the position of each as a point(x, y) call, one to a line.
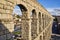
point(16, 33)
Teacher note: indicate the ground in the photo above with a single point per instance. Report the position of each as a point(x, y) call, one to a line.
point(55, 37)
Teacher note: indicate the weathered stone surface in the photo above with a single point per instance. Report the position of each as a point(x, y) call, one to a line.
point(33, 25)
point(2, 11)
point(1, 6)
point(2, 1)
point(11, 1)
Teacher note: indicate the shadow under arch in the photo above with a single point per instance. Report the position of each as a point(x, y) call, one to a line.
point(5, 34)
point(23, 10)
point(22, 7)
point(33, 13)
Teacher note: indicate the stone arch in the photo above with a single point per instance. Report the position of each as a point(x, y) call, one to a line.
point(24, 23)
point(39, 18)
point(33, 13)
point(43, 20)
point(22, 7)
point(34, 24)
point(23, 10)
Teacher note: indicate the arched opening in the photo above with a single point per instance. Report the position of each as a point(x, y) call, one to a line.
point(46, 21)
point(19, 10)
point(40, 37)
point(20, 13)
point(33, 24)
point(43, 21)
point(39, 18)
point(33, 13)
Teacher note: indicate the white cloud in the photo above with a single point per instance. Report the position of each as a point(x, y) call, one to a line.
point(54, 11)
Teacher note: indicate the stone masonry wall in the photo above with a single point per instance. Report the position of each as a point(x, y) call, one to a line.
point(6, 19)
point(41, 29)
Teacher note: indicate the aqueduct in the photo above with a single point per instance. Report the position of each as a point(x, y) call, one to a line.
point(36, 21)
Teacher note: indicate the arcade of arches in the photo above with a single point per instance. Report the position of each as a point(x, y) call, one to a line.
point(35, 21)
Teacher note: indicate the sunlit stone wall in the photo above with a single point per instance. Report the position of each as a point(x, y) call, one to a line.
point(35, 28)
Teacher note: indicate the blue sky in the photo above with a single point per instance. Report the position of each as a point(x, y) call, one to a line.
point(17, 10)
point(50, 5)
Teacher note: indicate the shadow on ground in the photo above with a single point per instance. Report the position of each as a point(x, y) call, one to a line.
point(5, 34)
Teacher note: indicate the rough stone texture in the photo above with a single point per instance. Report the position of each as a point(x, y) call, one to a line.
point(34, 28)
point(41, 27)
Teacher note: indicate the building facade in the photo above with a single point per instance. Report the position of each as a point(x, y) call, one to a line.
point(56, 25)
point(36, 22)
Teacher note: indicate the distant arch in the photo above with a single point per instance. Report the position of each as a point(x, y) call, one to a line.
point(34, 24)
point(39, 14)
point(39, 18)
point(33, 14)
point(19, 9)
